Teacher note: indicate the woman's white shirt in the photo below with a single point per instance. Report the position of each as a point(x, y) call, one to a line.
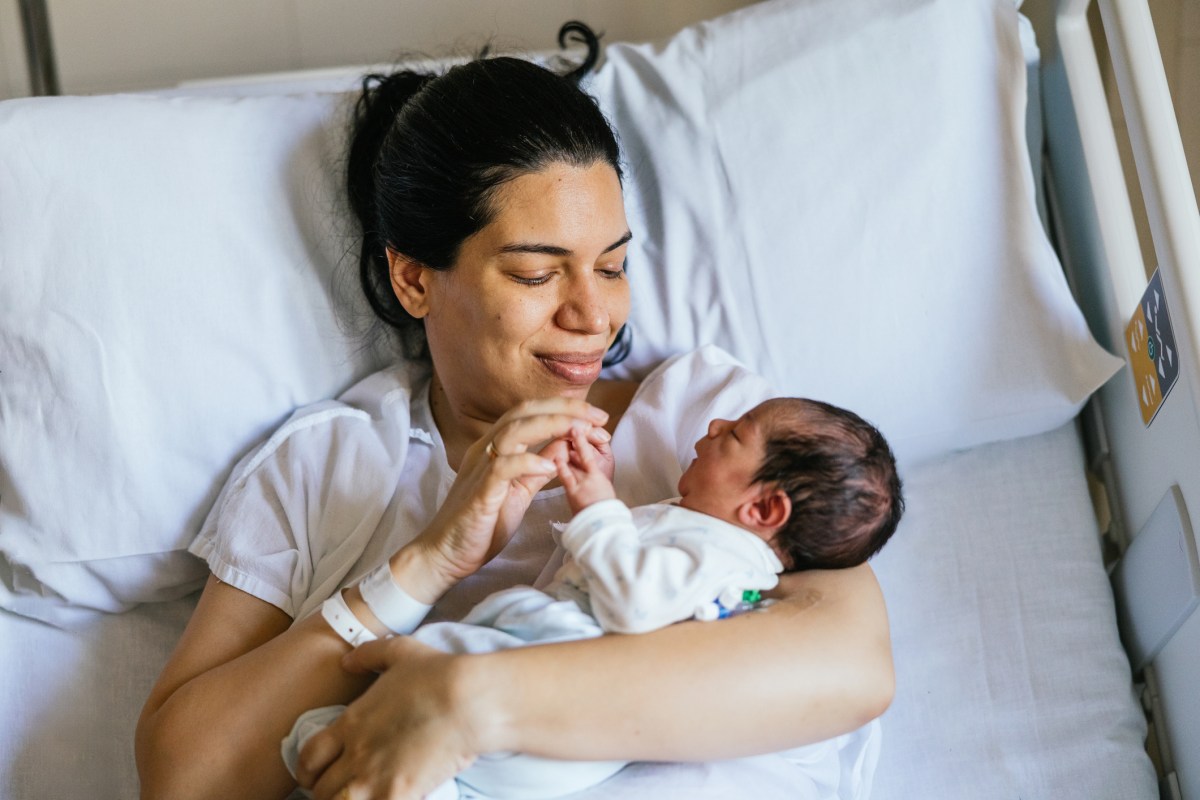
point(344, 484)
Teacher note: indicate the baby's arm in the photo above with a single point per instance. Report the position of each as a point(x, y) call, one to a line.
point(586, 471)
point(635, 585)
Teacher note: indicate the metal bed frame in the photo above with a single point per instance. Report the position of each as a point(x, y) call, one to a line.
point(39, 47)
point(1140, 463)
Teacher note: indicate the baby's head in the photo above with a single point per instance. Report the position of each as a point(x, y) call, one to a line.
point(815, 481)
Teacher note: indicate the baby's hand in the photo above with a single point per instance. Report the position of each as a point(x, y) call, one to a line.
point(586, 468)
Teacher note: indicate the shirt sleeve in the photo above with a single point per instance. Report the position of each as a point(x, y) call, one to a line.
point(303, 506)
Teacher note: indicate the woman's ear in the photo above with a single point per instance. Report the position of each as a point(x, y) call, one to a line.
point(409, 283)
point(767, 511)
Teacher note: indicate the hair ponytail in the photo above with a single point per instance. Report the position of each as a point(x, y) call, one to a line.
point(575, 31)
point(382, 98)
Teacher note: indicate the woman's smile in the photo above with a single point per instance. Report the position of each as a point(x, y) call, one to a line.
point(576, 368)
point(534, 298)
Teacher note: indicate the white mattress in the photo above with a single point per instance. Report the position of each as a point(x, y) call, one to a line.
point(1011, 681)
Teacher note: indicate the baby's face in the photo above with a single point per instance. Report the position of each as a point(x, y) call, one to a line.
point(721, 477)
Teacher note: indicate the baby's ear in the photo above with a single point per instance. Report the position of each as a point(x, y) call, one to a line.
point(767, 511)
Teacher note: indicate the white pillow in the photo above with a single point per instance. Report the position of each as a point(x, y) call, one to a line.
point(835, 192)
point(165, 275)
point(840, 195)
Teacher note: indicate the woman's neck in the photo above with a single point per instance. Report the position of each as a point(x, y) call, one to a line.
point(459, 430)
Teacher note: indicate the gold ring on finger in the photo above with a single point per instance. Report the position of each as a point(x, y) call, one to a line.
point(491, 451)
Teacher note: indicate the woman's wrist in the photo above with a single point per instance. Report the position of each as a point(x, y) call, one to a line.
point(489, 698)
point(417, 570)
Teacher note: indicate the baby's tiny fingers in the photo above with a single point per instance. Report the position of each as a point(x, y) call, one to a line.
point(584, 447)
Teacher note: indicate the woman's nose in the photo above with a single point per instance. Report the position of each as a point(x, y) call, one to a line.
point(582, 308)
point(716, 426)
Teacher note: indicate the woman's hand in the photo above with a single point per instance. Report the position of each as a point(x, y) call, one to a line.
point(405, 736)
point(496, 482)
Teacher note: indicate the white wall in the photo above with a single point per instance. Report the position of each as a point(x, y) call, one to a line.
point(14, 81)
point(120, 45)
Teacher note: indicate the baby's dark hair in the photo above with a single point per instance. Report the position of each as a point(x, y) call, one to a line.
point(840, 475)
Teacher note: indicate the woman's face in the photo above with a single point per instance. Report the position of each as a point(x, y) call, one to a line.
point(535, 297)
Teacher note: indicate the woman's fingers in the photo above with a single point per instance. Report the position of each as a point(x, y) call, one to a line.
point(579, 409)
point(383, 654)
point(407, 734)
point(331, 783)
point(505, 471)
point(320, 751)
point(599, 437)
point(519, 435)
point(495, 483)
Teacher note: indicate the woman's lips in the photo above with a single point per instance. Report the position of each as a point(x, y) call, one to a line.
point(576, 368)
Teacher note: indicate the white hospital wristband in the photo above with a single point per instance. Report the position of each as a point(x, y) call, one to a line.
point(399, 611)
point(344, 623)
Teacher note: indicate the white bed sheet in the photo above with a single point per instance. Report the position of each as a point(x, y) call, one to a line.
point(1011, 680)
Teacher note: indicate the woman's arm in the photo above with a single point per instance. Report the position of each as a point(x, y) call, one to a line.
point(242, 674)
point(815, 664)
point(230, 692)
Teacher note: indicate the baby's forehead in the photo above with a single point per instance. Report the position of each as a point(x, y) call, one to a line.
point(784, 413)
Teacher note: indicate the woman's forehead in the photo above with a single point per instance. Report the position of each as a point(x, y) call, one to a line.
point(561, 206)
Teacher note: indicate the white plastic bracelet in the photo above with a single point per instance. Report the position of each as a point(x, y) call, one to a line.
point(344, 623)
point(399, 611)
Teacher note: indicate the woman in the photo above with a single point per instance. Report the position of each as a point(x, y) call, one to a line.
point(494, 242)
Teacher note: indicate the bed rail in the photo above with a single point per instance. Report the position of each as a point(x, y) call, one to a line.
point(1158, 152)
point(1099, 243)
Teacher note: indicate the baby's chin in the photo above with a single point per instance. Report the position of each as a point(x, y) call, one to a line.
point(681, 488)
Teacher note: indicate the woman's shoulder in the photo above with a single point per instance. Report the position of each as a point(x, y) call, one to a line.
point(614, 396)
point(376, 409)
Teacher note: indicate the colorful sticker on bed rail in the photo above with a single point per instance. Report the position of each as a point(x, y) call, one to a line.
point(1153, 357)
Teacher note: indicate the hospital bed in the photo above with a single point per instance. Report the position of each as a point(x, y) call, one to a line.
point(871, 203)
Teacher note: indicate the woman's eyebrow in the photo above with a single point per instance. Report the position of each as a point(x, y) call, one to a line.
point(628, 235)
point(555, 250)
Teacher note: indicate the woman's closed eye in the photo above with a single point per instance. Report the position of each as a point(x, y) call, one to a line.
point(613, 273)
point(531, 278)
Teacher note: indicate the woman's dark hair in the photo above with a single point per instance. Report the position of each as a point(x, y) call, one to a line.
point(840, 475)
point(428, 154)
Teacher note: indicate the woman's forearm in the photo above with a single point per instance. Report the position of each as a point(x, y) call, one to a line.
point(814, 665)
point(214, 729)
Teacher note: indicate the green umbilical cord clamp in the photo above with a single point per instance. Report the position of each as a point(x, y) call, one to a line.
point(751, 596)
